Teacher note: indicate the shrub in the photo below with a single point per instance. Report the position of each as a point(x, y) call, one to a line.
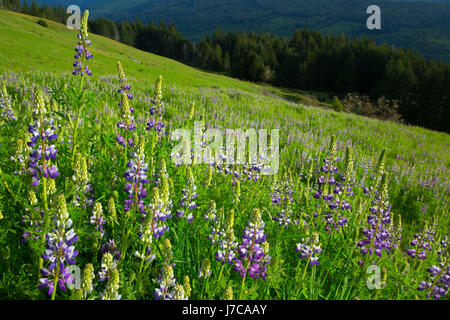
point(42, 23)
point(337, 105)
point(383, 109)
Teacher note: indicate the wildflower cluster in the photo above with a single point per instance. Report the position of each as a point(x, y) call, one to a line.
point(154, 225)
point(211, 212)
point(205, 270)
point(282, 200)
point(252, 172)
point(439, 275)
point(336, 206)
point(108, 264)
point(217, 230)
point(422, 243)
point(6, 111)
point(59, 252)
point(32, 220)
point(254, 250)
point(87, 279)
point(379, 235)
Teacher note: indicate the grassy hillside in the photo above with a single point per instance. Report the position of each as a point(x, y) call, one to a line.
point(171, 229)
point(28, 46)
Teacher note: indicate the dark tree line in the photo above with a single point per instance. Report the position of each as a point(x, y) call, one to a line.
point(308, 60)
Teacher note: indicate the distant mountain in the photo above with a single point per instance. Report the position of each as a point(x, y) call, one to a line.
point(423, 26)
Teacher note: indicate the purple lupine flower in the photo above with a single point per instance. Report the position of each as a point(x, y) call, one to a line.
point(154, 222)
point(157, 110)
point(309, 249)
point(82, 54)
point(168, 289)
point(126, 124)
point(225, 238)
point(333, 193)
point(166, 282)
point(282, 200)
point(187, 202)
point(108, 264)
point(422, 243)
point(112, 248)
point(97, 219)
point(253, 252)
point(136, 177)
point(217, 232)
point(5, 105)
point(32, 220)
point(59, 252)
point(379, 235)
point(439, 275)
point(42, 132)
point(124, 86)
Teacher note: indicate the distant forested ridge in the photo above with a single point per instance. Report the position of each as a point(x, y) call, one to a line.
point(307, 60)
point(418, 25)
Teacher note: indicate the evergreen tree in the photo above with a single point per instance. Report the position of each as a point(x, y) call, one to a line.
point(337, 105)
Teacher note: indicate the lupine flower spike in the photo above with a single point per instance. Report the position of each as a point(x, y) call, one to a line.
point(136, 177)
point(379, 237)
point(439, 274)
point(187, 203)
point(97, 219)
point(84, 192)
point(168, 288)
point(6, 112)
point(157, 109)
point(124, 86)
point(43, 133)
point(81, 50)
point(227, 242)
point(59, 252)
point(309, 249)
point(254, 250)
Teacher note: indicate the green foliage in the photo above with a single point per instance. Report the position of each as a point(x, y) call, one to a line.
point(337, 105)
